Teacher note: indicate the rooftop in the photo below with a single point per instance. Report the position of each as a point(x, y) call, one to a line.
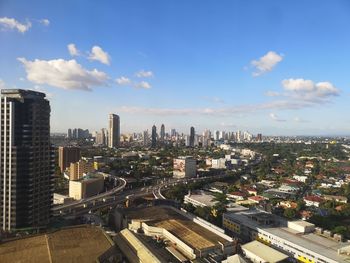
point(321, 245)
point(76, 244)
point(194, 235)
point(264, 252)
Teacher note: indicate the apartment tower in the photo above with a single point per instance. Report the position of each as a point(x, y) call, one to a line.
point(27, 159)
point(114, 131)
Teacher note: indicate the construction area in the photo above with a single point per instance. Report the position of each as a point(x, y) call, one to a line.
point(74, 244)
point(181, 235)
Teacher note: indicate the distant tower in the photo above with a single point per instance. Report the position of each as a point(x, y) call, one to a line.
point(192, 134)
point(69, 134)
point(154, 136)
point(162, 133)
point(114, 131)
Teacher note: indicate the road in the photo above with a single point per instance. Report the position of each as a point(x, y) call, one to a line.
point(118, 196)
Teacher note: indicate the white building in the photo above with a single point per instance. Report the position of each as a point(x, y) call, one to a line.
point(218, 163)
point(184, 166)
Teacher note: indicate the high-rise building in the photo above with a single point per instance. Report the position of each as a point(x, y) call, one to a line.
point(162, 133)
point(145, 138)
point(192, 134)
point(114, 131)
point(154, 136)
point(26, 159)
point(69, 134)
point(78, 169)
point(67, 155)
point(259, 137)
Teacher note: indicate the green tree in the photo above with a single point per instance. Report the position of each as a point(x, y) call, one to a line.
point(289, 213)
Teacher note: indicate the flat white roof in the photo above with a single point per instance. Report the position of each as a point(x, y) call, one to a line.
point(264, 252)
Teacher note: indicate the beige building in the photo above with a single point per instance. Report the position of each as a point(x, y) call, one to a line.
point(67, 155)
point(88, 186)
point(184, 166)
point(78, 169)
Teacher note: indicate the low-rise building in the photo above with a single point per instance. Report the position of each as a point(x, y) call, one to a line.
point(258, 252)
point(313, 200)
point(90, 185)
point(295, 239)
point(184, 166)
point(218, 163)
point(183, 235)
point(199, 198)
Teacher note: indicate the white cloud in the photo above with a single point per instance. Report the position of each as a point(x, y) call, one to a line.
point(11, 24)
point(274, 117)
point(144, 74)
point(123, 81)
point(223, 111)
point(266, 63)
point(73, 51)
point(297, 119)
point(98, 54)
point(142, 85)
point(308, 90)
point(45, 22)
point(66, 74)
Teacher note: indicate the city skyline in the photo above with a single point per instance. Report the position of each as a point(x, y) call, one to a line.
point(183, 64)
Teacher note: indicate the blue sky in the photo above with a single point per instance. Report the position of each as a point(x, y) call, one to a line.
point(276, 67)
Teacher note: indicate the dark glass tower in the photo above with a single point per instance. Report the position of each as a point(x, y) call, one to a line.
point(154, 136)
point(162, 133)
point(27, 160)
point(192, 134)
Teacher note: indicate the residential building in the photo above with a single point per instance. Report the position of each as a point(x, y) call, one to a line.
point(27, 159)
point(313, 200)
point(184, 166)
point(67, 155)
point(79, 169)
point(114, 131)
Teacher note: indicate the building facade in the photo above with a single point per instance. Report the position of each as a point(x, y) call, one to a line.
point(27, 160)
point(67, 155)
point(184, 167)
point(114, 131)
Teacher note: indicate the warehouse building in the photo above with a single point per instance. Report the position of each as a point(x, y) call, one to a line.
point(296, 239)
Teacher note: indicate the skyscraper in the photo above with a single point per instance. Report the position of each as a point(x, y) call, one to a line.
point(192, 134)
point(27, 159)
point(114, 131)
point(162, 133)
point(154, 136)
point(69, 134)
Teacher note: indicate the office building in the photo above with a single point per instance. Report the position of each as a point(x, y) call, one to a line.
point(192, 134)
point(184, 166)
point(67, 155)
point(145, 138)
point(69, 134)
point(162, 133)
point(27, 159)
point(114, 131)
point(259, 137)
point(154, 136)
